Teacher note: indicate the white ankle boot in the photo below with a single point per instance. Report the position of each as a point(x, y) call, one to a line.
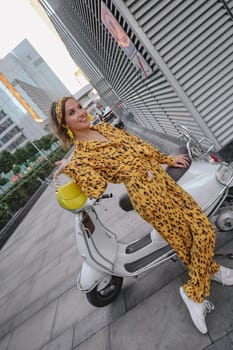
point(197, 311)
point(224, 276)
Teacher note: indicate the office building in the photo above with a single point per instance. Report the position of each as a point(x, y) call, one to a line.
point(27, 87)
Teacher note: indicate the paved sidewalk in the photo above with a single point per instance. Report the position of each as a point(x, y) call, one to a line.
point(42, 309)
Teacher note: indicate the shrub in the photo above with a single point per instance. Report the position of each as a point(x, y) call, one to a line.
point(3, 181)
point(20, 192)
point(4, 217)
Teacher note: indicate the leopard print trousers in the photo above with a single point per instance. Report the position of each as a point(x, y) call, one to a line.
point(181, 222)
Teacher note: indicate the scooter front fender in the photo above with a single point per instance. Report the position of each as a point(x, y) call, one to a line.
point(88, 278)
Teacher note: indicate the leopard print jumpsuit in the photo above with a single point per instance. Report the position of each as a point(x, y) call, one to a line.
point(125, 158)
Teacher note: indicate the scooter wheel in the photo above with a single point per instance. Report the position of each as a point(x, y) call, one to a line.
point(107, 295)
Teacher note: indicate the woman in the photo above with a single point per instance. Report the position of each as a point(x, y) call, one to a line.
point(106, 154)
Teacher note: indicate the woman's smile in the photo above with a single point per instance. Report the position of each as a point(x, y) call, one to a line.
point(76, 116)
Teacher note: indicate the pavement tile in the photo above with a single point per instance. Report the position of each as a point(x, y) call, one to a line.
point(61, 288)
point(152, 281)
point(14, 262)
point(29, 311)
point(35, 332)
point(72, 307)
point(99, 341)
point(37, 249)
point(3, 300)
point(24, 255)
point(221, 344)
point(230, 335)
point(62, 228)
point(62, 222)
point(17, 301)
point(57, 248)
point(74, 263)
point(5, 328)
point(226, 248)
point(46, 282)
point(4, 342)
point(23, 235)
point(160, 322)
point(62, 342)
point(220, 321)
point(222, 238)
point(70, 253)
point(48, 267)
point(14, 280)
point(100, 318)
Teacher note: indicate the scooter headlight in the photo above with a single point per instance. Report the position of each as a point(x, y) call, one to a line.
point(224, 174)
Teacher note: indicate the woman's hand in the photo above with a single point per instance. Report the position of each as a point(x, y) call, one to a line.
point(62, 164)
point(181, 161)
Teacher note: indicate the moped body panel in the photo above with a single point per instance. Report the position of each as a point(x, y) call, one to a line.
point(88, 277)
point(98, 248)
point(201, 183)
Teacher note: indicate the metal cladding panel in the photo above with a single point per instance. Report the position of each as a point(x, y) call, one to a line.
point(229, 3)
point(192, 37)
point(152, 100)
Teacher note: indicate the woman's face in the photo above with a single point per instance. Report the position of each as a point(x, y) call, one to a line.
point(76, 117)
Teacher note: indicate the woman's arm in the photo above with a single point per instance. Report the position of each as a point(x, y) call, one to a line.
point(181, 161)
point(152, 151)
point(90, 181)
point(61, 165)
point(178, 161)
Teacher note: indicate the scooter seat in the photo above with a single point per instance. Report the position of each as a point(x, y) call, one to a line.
point(125, 203)
point(175, 173)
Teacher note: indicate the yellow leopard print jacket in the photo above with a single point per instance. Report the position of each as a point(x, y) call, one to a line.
point(95, 163)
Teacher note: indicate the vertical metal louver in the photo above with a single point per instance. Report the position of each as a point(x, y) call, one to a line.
point(195, 40)
point(125, 83)
point(187, 44)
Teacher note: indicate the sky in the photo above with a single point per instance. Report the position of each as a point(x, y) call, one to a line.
point(19, 20)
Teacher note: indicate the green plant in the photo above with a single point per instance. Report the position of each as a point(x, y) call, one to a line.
point(3, 181)
point(21, 191)
point(7, 160)
point(16, 169)
point(4, 217)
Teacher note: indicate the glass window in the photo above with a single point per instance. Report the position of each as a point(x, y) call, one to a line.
point(38, 62)
point(17, 142)
point(11, 133)
point(2, 114)
point(5, 125)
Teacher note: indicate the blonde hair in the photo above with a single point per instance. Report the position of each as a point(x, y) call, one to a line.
point(57, 119)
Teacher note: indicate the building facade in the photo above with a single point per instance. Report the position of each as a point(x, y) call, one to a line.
point(164, 62)
point(27, 89)
point(26, 70)
point(16, 123)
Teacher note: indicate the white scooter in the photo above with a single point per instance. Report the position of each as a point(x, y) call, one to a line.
point(106, 260)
